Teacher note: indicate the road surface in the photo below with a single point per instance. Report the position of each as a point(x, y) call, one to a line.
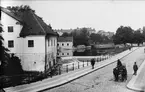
point(102, 80)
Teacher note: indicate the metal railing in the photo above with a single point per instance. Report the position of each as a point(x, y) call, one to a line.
point(79, 64)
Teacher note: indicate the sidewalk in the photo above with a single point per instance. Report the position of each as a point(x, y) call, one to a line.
point(66, 77)
point(137, 82)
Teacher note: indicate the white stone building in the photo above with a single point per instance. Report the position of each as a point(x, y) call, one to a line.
point(65, 42)
point(32, 40)
point(65, 46)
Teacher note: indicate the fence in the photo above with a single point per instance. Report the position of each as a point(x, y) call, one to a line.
point(77, 64)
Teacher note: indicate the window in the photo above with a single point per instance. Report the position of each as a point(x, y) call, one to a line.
point(51, 42)
point(30, 43)
point(57, 44)
point(10, 43)
point(62, 53)
point(67, 44)
point(10, 28)
point(54, 42)
point(48, 42)
point(62, 44)
point(67, 53)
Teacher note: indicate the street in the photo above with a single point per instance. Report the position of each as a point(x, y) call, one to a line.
point(102, 80)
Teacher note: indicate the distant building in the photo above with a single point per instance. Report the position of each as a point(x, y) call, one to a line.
point(65, 42)
point(64, 45)
point(65, 53)
point(29, 38)
point(108, 34)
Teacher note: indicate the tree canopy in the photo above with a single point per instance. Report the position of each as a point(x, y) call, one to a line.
point(128, 35)
point(3, 53)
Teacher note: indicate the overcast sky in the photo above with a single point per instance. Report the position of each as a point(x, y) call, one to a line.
point(105, 15)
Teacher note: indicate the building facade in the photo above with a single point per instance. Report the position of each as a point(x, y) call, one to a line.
point(29, 38)
point(65, 46)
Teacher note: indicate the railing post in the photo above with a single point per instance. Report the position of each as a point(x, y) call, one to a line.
point(87, 62)
point(78, 65)
point(66, 68)
point(83, 63)
point(73, 66)
point(100, 58)
point(59, 71)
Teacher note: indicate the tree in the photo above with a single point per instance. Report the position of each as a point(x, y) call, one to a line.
point(3, 54)
point(14, 66)
point(80, 38)
point(97, 38)
point(143, 33)
point(123, 35)
point(138, 37)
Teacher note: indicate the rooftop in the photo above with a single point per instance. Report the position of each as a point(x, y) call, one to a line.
point(32, 24)
point(65, 39)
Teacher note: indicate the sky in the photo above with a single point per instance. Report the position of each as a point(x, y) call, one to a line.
point(105, 15)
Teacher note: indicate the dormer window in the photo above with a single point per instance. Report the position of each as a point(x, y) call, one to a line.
point(10, 28)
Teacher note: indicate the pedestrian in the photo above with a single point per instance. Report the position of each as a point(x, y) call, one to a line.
point(129, 48)
point(92, 63)
point(124, 73)
point(135, 68)
point(115, 73)
point(119, 63)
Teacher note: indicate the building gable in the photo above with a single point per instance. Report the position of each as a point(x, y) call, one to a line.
point(32, 24)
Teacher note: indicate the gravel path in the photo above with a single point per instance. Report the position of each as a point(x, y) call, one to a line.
point(102, 80)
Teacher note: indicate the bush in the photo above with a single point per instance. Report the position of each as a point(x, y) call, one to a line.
point(14, 66)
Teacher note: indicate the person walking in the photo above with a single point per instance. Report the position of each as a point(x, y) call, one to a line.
point(135, 68)
point(115, 73)
point(93, 63)
point(124, 73)
point(119, 64)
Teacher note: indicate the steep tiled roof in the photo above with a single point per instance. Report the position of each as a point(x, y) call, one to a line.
point(65, 39)
point(8, 12)
point(32, 24)
point(46, 27)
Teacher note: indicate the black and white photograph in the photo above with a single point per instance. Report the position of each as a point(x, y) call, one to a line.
point(72, 46)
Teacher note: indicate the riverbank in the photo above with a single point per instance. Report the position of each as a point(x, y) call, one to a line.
point(108, 52)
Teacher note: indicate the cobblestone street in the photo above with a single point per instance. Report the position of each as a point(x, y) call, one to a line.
point(102, 80)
